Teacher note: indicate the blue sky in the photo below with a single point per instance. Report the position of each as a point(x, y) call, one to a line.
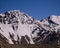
point(38, 9)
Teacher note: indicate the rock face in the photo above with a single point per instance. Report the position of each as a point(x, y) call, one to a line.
point(19, 28)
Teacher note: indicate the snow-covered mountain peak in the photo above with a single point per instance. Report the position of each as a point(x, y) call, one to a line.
point(55, 19)
point(19, 28)
point(16, 25)
point(15, 16)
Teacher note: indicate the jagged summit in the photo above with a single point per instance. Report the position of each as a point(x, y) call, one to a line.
point(55, 19)
point(17, 27)
point(16, 15)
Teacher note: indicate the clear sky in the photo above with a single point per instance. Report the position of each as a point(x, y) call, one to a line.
point(38, 9)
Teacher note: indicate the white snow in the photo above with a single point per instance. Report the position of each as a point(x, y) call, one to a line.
point(25, 29)
point(55, 19)
point(6, 29)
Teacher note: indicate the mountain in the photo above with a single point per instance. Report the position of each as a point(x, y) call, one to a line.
point(17, 27)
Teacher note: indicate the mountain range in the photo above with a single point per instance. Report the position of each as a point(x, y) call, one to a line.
point(17, 27)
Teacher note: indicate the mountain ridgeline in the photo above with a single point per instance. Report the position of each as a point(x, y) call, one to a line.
point(17, 27)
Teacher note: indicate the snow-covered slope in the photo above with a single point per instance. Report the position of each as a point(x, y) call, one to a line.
point(14, 25)
point(20, 28)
